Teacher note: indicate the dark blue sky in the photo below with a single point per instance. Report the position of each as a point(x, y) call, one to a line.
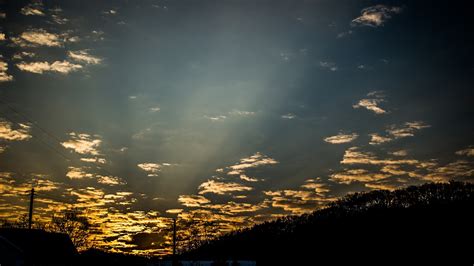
point(234, 111)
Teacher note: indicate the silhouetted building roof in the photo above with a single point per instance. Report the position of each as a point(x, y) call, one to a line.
point(35, 247)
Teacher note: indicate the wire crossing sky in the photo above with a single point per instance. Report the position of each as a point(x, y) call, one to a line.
point(230, 111)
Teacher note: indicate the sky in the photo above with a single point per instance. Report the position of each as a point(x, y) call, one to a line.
point(230, 111)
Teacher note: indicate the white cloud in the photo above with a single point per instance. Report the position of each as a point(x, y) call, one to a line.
point(288, 116)
point(85, 57)
point(241, 113)
point(155, 109)
point(4, 76)
point(328, 65)
point(7, 132)
point(82, 143)
point(221, 188)
point(63, 67)
point(216, 118)
point(341, 138)
point(375, 16)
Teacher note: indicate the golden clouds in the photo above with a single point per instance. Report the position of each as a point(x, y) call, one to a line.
point(62, 67)
point(192, 200)
point(375, 16)
point(341, 138)
point(221, 188)
point(11, 132)
point(82, 143)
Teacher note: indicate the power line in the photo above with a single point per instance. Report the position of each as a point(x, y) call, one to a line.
point(50, 135)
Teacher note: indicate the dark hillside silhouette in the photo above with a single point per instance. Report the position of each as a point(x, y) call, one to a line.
point(432, 221)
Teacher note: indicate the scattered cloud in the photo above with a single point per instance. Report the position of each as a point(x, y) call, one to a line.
point(354, 156)
point(33, 9)
point(153, 168)
point(94, 160)
point(357, 175)
point(241, 113)
point(375, 16)
point(216, 118)
point(110, 180)
point(408, 129)
point(83, 143)
point(400, 153)
point(467, 152)
point(221, 188)
point(341, 138)
point(193, 200)
point(288, 116)
point(371, 104)
point(85, 57)
point(328, 65)
point(255, 160)
point(312, 196)
point(376, 139)
point(11, 132)
point(4, 76)
point(63, 67)
point(38, 37)
point(344, 34)
point(22, 55)
point(78, 173)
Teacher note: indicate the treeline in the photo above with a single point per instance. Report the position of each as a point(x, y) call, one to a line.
point(428, 221)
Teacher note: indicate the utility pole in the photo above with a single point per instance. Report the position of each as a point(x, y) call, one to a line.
point(30, 215)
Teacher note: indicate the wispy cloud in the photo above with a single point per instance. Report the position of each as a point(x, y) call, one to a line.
point(153, 168)
point(375, 16)
point(11, 132)
point(216, 118)
point(288, 116)
point(63, 67)
point(85, 57)
point(341, 138)
point(255, 160)
point(221, 188)
point(83, 143)
point(408, 129)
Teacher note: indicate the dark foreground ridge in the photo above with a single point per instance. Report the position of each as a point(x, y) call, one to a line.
point(432, 221)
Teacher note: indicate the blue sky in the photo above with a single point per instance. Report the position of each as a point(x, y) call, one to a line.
point(231, 111)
